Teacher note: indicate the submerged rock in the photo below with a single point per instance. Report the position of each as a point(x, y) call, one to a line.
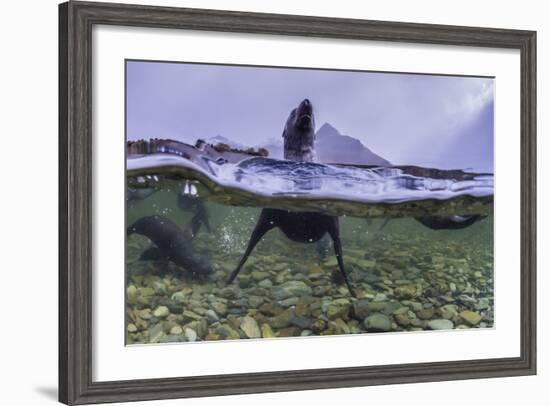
point(190, 334)
point(448, 311)
point(405, 292)
point(440, 324)
point(283, 320)
point(211, 316)
point(336, 311)
point(156, 333)
point(472, 318)
point(426, 314)
point(289, 289)
point(377, 322)
point(250, 327)
point(161, 311)
point(267, 332)
point(360, 309)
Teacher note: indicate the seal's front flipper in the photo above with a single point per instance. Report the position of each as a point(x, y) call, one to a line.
point(203, 215)
point(265, 223)
point(335, 235)
point(151, 254)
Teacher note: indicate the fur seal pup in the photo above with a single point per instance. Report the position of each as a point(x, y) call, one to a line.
point(188, 199)
point(304, 227)
point(171, 244)
point(454, 222)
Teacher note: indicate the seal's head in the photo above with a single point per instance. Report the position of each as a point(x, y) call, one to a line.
point(299, 133)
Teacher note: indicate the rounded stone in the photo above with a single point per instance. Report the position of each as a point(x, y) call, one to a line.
point(440, 324)
point(161, 311)
point(190, 334)
point(377, 322)
point(250, 327)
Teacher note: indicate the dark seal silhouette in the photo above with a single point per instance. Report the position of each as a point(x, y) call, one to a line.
point(188, 200)
point(304, 227)
point(449, 222)
point(171, 244)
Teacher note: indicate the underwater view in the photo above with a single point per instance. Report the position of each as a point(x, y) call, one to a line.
point(310, 234)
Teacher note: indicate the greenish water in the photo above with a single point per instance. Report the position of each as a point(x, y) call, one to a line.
point(407, 277)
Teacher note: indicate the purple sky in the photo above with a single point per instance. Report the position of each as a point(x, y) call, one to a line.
point(426, 120)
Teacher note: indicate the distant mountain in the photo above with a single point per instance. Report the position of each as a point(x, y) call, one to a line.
point(333, 147)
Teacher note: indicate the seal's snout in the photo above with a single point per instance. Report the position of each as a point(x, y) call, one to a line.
point(304, 114)
point(305, 108)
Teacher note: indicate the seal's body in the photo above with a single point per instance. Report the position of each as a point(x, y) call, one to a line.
point(171, 244)
point(304, 227)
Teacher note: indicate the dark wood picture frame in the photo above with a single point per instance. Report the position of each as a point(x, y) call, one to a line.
point(76, 20)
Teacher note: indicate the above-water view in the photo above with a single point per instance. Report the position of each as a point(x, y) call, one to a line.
point(246, 219)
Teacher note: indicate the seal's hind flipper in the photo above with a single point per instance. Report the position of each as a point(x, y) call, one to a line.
point(334, 233)
point(265, 223)
point(151, 254)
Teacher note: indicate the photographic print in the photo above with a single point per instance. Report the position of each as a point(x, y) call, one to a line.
point(276, 202)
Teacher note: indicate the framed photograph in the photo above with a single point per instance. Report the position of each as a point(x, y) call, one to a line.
point(259, 202)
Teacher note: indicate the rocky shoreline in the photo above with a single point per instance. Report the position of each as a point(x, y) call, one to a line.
point(402, 285)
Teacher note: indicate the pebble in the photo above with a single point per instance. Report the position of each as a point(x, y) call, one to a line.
point(335, 311)
point(301, 321)
point(290, 288)
point(190, 334)
point(179, 297)
point(250, 327)
point(283, 319)
point(377, 322)
point(440, 324)
point(405, 292)
point(360, 309)
point(161, 311)
point(211, 316)
point(156, 333)
point(259, 275)
point(266, 283)
point(472, 318)
point(170, 339)
point(220, 308)
point(482, 304)
point(425, 314)
point(448, 311)
point(176, 330)
point(267, 332)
